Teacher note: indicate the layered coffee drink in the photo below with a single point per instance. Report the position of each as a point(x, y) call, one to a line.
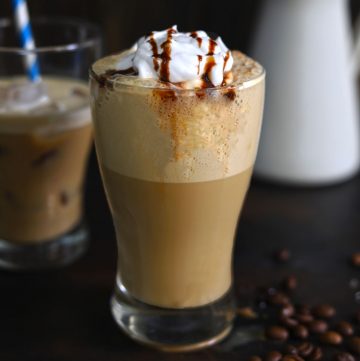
point(45, 136)
point(177, 120)
point(176, 157)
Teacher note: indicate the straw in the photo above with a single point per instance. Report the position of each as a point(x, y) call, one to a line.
point(22, 22)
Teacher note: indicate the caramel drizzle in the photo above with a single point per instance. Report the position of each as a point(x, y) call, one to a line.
point(194, 35)
point(210, 63)
point(212, 45)
point(166, 56)
point(154, 50)
point(227, 56)
point(199, 59)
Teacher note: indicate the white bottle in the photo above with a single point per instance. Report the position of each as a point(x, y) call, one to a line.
point(310, 132)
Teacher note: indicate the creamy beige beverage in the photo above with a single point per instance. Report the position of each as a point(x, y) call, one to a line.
point(176, 159)
point(176, 239)
point(44, 145)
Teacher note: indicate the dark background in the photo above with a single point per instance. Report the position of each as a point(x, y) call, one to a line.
point(123, 22)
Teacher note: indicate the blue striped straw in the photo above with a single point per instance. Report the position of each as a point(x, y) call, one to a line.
point(22, 22)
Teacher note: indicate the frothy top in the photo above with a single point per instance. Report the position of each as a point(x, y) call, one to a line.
point(195, 58)
point(170, 135)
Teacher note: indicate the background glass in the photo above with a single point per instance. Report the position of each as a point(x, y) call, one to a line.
point(44, 149)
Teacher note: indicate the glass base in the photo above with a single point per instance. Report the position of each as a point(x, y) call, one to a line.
point(48, 254)
point(173, 330)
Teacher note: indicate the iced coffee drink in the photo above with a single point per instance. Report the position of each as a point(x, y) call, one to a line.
point(177, 121)
point(45, 138)
point(45, 135)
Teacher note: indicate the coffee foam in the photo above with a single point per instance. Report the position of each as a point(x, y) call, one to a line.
point(244, 70)
point(185, 136)
point(67, 107)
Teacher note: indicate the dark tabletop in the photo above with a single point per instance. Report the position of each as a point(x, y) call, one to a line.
point(64, 314)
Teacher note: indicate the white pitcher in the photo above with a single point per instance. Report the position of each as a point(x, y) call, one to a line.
point(310, 133)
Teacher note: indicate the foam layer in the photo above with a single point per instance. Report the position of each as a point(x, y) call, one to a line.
point(180, 136)
point(244, 70)
point(65, 106)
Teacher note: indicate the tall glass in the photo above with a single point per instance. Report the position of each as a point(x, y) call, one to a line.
point(45, 137)
point(176, 166)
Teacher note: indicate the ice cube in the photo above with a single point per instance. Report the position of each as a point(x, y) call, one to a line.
point(23, 96)
point(52, 107)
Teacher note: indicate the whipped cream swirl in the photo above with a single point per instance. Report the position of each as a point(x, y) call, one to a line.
point(193, 59)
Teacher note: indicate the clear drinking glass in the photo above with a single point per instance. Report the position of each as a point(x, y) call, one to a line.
point(176, 166)
point(45, 137)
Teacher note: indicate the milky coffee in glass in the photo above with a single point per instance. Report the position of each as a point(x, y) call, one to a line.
point(176, 161)
point(42, 161)
point(45, 139)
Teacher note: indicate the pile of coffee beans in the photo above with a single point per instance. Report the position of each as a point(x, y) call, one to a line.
point(304, 332)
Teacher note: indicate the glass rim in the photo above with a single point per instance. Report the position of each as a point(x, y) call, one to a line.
point(95, 39)
point(117, 82)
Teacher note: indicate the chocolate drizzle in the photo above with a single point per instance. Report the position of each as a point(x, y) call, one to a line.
point(194, 35)
point(210, 63)
point(227, 56)
point(212, 45)
point(154, 50)
point(199, 59)
point(166, 56)
point(162, 56)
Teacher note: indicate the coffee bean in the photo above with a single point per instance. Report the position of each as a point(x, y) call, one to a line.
point(355, 259)
point(292, 358)
point(282, 255)
point(316, 355)
point(305, 349)
point(318, 326)
point(324, 311)
point(277, 333)
point(279, 299)
point(287, 310)
point(290, 283)
point(345, 328)
point(291, 349)
point(289, 321)
point(344, 356)
point(304, 318)
point(255, 358)
point(354, 344)
point(300, 331)
point(246, 312)
point(273, 356)
point(331, 338)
